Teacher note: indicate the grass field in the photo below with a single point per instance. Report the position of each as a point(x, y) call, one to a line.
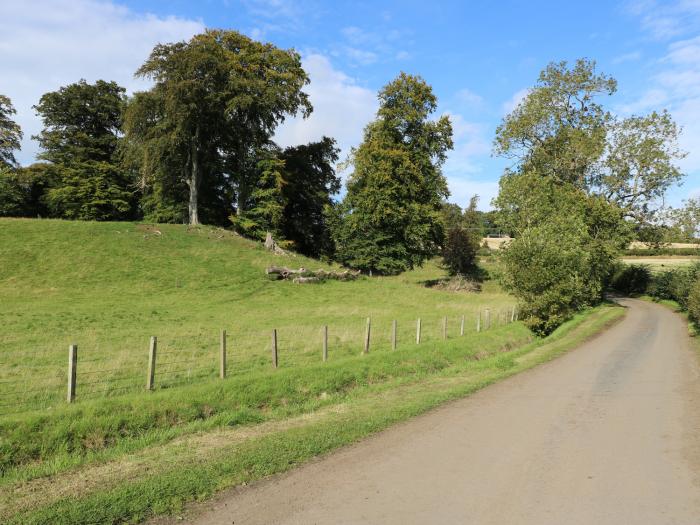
point(109, 286)
point(660, 263)
point(120, 454)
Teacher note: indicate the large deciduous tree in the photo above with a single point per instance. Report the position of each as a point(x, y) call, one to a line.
point(563, 131)
point(10, 134)
point(216, 101)
point(80, 139)
point(582, 180)
point(390, 219)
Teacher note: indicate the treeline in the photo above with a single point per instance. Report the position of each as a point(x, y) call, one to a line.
point(198, 147)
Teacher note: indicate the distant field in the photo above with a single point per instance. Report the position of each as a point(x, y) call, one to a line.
point(662, 262)
point(109, 286)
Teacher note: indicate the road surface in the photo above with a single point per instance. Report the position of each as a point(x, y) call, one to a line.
point(606, 434)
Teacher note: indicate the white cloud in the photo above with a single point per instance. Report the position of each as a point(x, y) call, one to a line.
point(676, 83)
point(469, 98)
point(667, 19)
point(342, 108)
point(46, 44)
point(627, 57)
point(360, 56)
point(513, 102)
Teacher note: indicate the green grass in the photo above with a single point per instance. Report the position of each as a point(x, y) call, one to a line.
point(109, 286)
point(394, 386)
point(122, 454)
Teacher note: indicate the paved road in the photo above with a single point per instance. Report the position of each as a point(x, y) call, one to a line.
point(607, 434)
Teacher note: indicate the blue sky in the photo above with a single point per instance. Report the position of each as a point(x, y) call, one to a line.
point(480, 57)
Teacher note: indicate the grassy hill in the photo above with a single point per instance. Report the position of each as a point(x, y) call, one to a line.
point(109, 286)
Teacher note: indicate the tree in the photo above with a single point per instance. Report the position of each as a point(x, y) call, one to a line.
point(462, 240)
point(581, 179)
point(80, 139)
point(686, 220)
point(216, 102)
point(560, 130)
point(390, 219)
point(265, 211)
point(565, 245)
point(310, 183)
point(639, 164)
point(23, 191)
point(10, 134)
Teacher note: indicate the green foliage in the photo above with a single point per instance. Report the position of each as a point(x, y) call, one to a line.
point(631, 279)
point(216, 102)
point(22, 191)
point(390, 219)
point(693, 302)
point(564, 250)
point(80, 141)
point(685, 221)
point(675, 284)
point(647, 252)
point(10, 134)
point(265, 213)
point(560, 130)
point(293, 190)
point(310, 181)
point(462, 239)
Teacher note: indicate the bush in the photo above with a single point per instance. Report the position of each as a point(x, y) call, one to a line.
point(459, 252)
point(642, 252)
point(631, 279)
point(694, 302)
point(675, 285)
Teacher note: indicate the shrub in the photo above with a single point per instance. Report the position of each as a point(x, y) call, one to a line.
point(459, 252)
point(631, 279)
point(694, 302)
point(675, 284)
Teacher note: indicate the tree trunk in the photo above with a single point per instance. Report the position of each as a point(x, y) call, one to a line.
point(194, 180)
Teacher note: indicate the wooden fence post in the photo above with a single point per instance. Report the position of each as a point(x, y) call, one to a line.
point(393, 334)
point(325, 343)
point(222, 355)
point(418, 331)
point(487, 319)
point(151, 363)
point(274, 348)
point(444, 327)
point(478, 321)
point(72, 369)
point(461, 327)
point(512, 314)
point(367, 335)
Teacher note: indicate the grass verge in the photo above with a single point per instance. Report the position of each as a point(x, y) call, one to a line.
point(161, 480)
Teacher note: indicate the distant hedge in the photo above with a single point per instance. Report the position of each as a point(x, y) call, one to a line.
point(647, 252)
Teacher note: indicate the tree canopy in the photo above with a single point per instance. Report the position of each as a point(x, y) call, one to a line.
point(563, 131)
point(80, 141)
point(216, 102)
point(10, 134)
point(390, 219)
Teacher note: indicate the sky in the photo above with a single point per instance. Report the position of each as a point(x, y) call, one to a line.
point(479, 56)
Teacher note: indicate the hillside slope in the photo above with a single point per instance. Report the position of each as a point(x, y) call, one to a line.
point(109, 286)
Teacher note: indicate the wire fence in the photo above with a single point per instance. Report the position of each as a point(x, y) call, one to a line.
point(41, 379)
